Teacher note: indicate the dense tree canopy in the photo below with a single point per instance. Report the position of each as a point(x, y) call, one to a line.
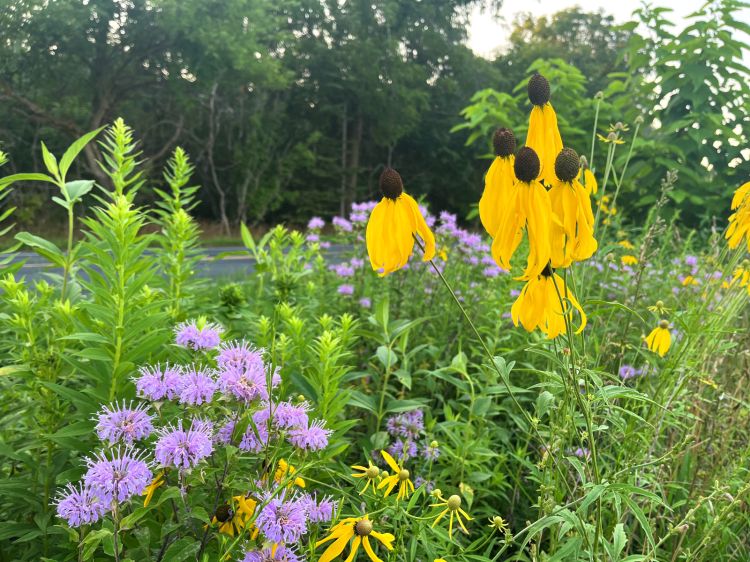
point(292, 107)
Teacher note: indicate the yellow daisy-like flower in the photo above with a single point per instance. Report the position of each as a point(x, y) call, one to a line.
point(361, 530)
point(151, 488)
point(612, 137)
point(659, 339)
point(629, 260)
point(529, 206)
point(739, 221)
point(573, 224)
point(543, 136)
point(741, 276)
point(498, 183)
point(498, 523)
point(626, 244)
point(587, 178)
point(370, 472)
point(659, 308)
point(400, 478)
point(231, 521)
point(689, 280)
point(393, 224)
point(283, 470)
point(452, 508)
point(539, 306)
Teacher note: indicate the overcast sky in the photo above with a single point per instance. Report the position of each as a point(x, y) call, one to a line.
point(487, 35)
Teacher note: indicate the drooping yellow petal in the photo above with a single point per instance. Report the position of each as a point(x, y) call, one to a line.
point(368, 549)
point(495, 199)
point(422, 229)
point(544, 138)
point(739, 196)
point(355, 547)
point(385, 538)
point(391, 462)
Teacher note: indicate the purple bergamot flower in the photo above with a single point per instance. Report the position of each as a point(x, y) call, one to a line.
point(312, 437)
point(156, 383)
point(197, 386)
point(121, 475)
point(123, 423)
point(79, 505)
point(282, 520)
point(184, 448)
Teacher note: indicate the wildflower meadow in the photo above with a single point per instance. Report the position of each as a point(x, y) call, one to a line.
point(552, 376)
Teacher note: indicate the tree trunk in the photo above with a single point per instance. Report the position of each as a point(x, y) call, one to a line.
point(354, 169)
point(212, 129)
point(342, 193)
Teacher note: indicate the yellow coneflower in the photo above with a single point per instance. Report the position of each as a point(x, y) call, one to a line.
point(739, 221)
point(689, 280)
point(573, 229)
point(629, 260)
point(659, 307)
point(543, 136)
point(659, 339)
point(529, 206)
point(452, 508)
point(627, 244)
point(231, 520)
point(498, 182)
point(740, 277)
point(151, 488)
point(539, 306)
point(283, 470)
point(587, 178)
point(401, 477)
point(393, 223)
point(370, 472)
point(358, 528)
point(498, 523)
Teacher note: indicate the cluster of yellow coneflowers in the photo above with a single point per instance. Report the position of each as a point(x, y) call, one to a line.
point(536, 191)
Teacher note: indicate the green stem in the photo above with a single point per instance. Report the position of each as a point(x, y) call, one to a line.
point(69, 254)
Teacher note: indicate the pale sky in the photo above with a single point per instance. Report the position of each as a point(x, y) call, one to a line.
point(488, 35)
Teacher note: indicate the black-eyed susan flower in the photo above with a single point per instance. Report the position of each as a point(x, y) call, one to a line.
point(393, 224)
point(573, 224)
point(400, 478)
point(284, 470)
point(659, 339)
point(371, 473)
point(499, 181)
point(151, 488)
point(739, 221)
point(360, 529)
point(544, 303)
point(529, 206)
point(452, 508)
point(543, 136)
point(232, 519)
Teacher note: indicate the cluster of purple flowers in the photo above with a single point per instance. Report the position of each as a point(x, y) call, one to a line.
point(198, 336)
point(273, 419)
point(112, 477)
point(406, 429)
point(284, 518)
point(340, 223)
point(124, 423)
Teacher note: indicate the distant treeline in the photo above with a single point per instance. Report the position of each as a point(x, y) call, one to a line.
point(290, 108)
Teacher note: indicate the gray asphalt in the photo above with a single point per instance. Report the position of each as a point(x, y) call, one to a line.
point(212, 264)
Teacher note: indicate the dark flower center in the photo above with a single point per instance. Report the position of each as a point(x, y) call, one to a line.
point(567, 164)
point(391, 184)
point(548, 271)
point(526, 165)
point(539, 91)
point(504, 142)
point(223, 513)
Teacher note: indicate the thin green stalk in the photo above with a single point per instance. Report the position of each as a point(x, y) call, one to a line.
point(69, 254)
point(491, 358)
point(593, 132)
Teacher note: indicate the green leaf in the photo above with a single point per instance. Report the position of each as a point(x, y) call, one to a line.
point(247, 238)
point(182, 549)
point(7, 180)
point(74, 149)
point(619, 540)
point(43, 247)
point(77, 189)
point(50, 161)
point(386, 356)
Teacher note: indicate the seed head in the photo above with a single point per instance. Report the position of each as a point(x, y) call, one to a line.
point(223, 513)
point(664, 324)
point(504, 142)
point(363, 527)
point(391, 184)
point(527, 165)
point(373, 472)
point(454, 502)
point(403, 475)
point(539, 91)
point(567, 165)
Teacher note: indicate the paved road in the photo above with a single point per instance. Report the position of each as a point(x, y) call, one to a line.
point(211, 265)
